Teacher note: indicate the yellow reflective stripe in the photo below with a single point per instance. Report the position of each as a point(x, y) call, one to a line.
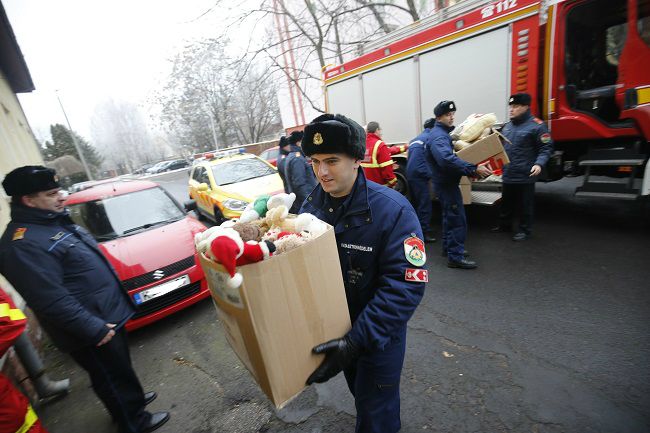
point(384, 164)
point(12, 313)
point(375, 150)
point(373, 159)
point(30, 420)
point(643, 96)
point(392, 181)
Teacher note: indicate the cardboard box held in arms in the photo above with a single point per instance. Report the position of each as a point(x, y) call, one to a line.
point(489, 150)
point(286, 305)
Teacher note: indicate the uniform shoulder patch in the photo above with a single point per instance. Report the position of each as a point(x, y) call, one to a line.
point(538, 120)
point(414, 251)
point(545, 138)
point(297, 154)
point(19, 233)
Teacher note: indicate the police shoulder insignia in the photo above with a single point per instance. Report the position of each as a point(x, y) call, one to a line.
point(414, 251)
point(318, 139)
point(297, 154)
point(538, 120)
point(57, 236)
point(19, 233)
point(545, 138)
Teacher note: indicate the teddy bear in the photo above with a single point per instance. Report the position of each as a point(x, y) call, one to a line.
point(287, 241)
point(261, 205)
point(225, 246)
point(248, 231)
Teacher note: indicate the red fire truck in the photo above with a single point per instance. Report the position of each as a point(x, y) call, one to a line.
point(585, 62)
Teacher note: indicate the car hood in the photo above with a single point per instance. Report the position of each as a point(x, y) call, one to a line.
point(252, 188)
point(152, 249)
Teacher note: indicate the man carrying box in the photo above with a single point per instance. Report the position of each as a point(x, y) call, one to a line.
point(446, 171)
point(528, 145)
point(382, 259)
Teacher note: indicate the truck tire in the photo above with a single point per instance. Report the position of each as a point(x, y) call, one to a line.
point(402, 185)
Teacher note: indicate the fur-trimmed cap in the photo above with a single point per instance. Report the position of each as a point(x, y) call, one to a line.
point(520, 99)
point(284, 141)
point(428, 124)
point(30, 179)
point(295, 137)
point(334, 133)
point(444, 107)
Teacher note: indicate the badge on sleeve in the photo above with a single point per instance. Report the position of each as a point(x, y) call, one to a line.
point(417, 275)
point(19, 233)
point(545, 138)
point(414, 251)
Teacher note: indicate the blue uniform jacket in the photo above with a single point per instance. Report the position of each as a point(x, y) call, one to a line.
point(531, 145)
point(446, 167)
point(58, 269)
point(280, 164)
point(417, 166)
point(371, 228)
point(299, 174)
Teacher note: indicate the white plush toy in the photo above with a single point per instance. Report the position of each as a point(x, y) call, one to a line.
point(262, 204)
point(281, 199)
point(307, 222)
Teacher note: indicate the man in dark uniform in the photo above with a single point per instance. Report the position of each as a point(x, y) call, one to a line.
point(446, 171)
point(77, 296)
point(529, 146)
point(298, 172)
point(382, 259)
point(284, 151)
point(418, 174)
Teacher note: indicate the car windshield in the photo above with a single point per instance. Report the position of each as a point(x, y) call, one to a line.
point(113, 217)
point(240, 170)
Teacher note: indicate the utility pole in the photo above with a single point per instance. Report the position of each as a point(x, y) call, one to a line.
point(74, 140)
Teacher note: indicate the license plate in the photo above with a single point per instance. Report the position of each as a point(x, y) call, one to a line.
point(161, 289)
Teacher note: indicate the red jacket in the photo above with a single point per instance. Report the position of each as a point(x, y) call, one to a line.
point(377, 164)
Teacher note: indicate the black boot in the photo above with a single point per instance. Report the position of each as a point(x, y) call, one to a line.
point(462, 264)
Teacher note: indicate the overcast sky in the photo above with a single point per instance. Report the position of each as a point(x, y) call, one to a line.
point(91, 50)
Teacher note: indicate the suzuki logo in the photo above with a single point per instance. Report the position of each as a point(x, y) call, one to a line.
point(158, 274)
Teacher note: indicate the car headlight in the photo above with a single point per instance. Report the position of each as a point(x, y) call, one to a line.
point(232, 204)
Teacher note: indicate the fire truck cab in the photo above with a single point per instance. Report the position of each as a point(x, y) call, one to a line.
point(585, 62)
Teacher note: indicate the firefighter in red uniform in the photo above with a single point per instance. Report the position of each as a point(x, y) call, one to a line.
point(16, 414)
point(377, 163)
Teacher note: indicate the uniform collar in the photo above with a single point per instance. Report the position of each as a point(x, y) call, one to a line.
point(25, 214)
point(284, 150)
point(356, 203)
point(295, 148)
point(373, 135)
point(444, 127)
point(522, 117)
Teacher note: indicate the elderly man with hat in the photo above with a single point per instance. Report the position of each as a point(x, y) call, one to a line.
point(529, 146)
point(446, 171)
point(382, 259)
point(76, 294)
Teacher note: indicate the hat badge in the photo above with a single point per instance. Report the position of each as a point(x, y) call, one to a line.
point(451, 106)
point(318, 139)
point(512, 99)
point(56, 178)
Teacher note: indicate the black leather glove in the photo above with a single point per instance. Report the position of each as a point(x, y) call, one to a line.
point(338, 354)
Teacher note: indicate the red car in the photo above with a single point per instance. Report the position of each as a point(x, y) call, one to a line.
point(149, 240)
point(271, 155)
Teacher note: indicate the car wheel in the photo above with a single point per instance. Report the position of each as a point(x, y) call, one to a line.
point(402, 185)
point(218, 216)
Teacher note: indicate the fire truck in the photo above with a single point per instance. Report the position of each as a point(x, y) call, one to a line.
point(586, 64)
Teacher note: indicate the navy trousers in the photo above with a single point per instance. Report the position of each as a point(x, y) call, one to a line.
point(374, 382)
point(422, 202)
point(518, 198)
point(454, 223)
point(115, 382)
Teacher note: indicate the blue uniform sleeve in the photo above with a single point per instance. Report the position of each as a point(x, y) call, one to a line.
point(38, 277)
point(543, 145)
point(444, 155)
point(303, 180)
point(395, 299)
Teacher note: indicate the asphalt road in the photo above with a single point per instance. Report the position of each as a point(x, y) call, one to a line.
point(547, 335)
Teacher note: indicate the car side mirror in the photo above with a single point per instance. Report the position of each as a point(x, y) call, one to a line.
point(202, 187)
point(190, 205)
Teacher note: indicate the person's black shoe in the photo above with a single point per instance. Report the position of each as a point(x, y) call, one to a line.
point(156, 421)
point(462, 264)
point(149, 397)
point(499, 229)
point(429, 239)
point(521, 236)
point(445, 254)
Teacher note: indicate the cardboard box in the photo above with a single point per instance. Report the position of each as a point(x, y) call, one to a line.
point(286, 305)
point(489, 150)
point(466, 189)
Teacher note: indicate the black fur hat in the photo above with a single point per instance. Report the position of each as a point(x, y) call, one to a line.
point(444, 107)
point(30, 179)
point(284, 141)
point(429, 123)
point(520, 99)
point(295, 137)
point(334, 133)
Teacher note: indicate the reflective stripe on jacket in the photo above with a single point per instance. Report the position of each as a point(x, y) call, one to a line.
point(377, 164)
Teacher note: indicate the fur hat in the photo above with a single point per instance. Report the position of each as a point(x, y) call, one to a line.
point(520, 99)
point(284, 141)
point(30, 179)
point(332, 133)
point(428, 124)
point(444, 107)
point(295, 137)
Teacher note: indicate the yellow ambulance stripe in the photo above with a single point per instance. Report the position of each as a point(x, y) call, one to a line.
point(12, 313)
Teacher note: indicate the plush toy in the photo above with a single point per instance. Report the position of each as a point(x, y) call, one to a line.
point(255, 210)
point(248, 231)
point(308, 223)
point(277, 218)
point(225, 246)
point(287, 241)
point(281, 199)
